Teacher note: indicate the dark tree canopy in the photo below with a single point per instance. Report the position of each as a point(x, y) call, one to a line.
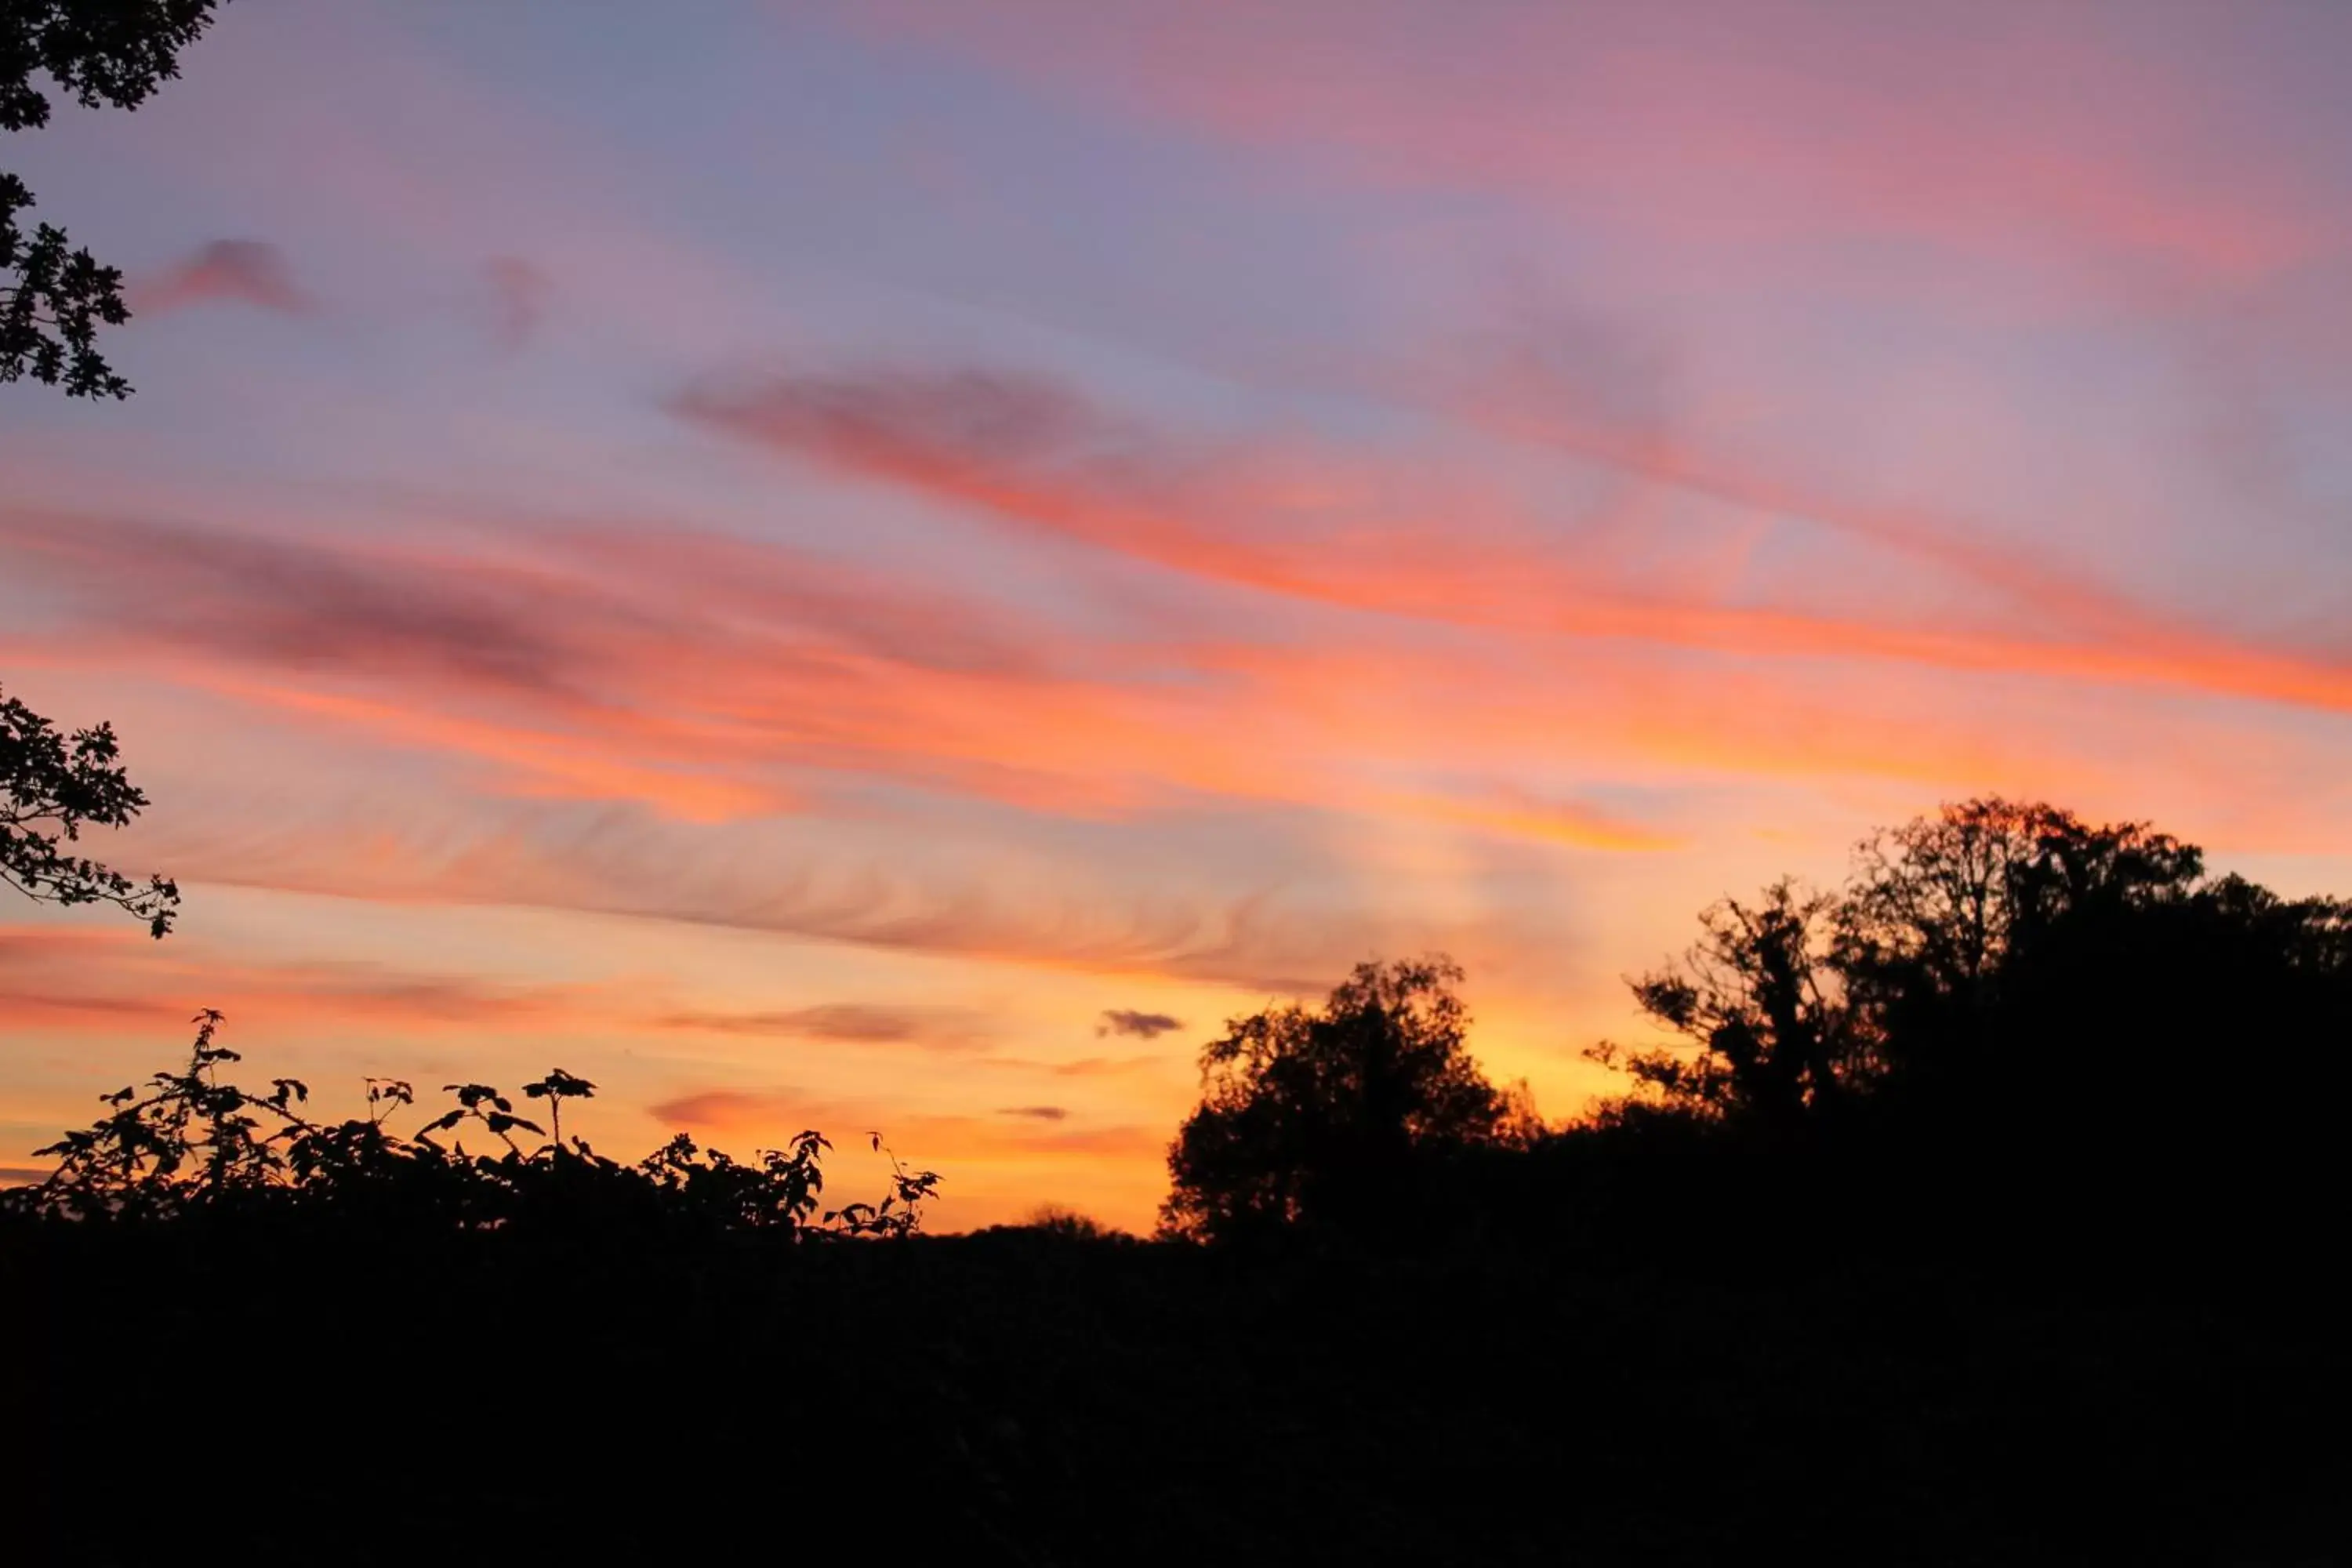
point(1313, 1119)
point(54, 298)
point(1796, 1001)
point(1759, 1004)
point(56, 784)
point(2009, 1019)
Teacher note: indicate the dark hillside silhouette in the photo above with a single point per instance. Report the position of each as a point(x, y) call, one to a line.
point(1983, 1209)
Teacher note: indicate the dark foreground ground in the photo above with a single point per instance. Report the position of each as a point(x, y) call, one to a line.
point(1023, 1399)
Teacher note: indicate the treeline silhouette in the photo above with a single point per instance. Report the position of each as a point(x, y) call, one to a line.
point(2010, 1035)
point(1985, 1208)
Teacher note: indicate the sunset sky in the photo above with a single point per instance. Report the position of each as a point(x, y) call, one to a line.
point(888, 565)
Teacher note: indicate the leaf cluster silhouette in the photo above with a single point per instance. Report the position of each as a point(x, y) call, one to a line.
point(52, 785)
point(55, 298)
point(193, 1145)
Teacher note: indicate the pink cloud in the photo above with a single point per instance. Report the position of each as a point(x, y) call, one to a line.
point(842, 1023)
point(226, 271)
point(520, 293)
point(1040, 457)
point(92, 982)
point(1738, 121)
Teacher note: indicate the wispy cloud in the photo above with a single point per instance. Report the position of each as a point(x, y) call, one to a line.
point(226, 271)
point(1265, 521)
point(848, 1023)
point(519, 292)
point(1717, 122)
point(92, 982)
point(704, 677)
point(300, 604)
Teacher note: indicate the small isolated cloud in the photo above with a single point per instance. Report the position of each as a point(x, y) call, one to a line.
point(22, 1175)
point(923, 428)
point(858, 1023)
point(1037, 1112)
point(1142, 1025)
point(519, 296)
point(235, 272)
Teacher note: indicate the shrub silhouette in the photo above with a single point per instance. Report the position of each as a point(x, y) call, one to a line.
point(194, 1145)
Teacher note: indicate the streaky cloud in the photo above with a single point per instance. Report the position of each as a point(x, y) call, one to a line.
point(849, 1023)
point(1072, 470)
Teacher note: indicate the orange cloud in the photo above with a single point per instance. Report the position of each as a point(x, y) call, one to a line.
point(635, 696)
point(537, 763)
point(90, 981)
point(851, 1023)
point(687, 673)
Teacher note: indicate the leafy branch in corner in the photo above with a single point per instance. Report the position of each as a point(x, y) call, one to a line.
point(52, 785)
point(52, 298)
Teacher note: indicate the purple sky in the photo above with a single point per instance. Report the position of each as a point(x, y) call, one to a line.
point(790, 559)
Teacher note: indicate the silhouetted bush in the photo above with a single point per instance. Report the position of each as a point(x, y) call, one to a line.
point(195, 1146)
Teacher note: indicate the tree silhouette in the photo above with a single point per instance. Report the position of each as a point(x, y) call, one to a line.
point(54, 298)
point(2008, 1024)
point(56, 784)
point(1799, 1001)
point(1759, 1000)
point(1942, 912)
point(1313, 1120)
